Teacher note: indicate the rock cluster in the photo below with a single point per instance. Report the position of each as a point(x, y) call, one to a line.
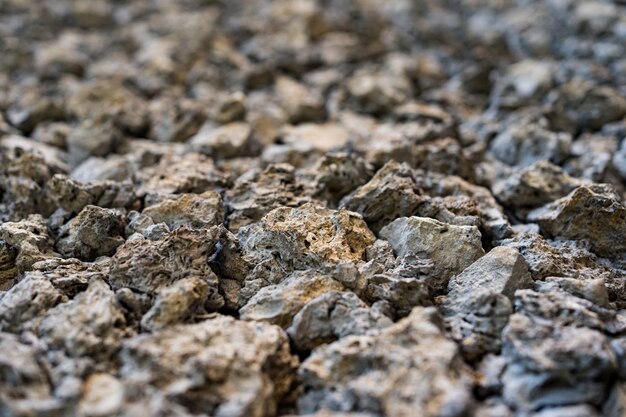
point(324, 208)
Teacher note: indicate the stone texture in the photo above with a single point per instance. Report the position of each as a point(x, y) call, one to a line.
point(440, 250)
point(195, 211)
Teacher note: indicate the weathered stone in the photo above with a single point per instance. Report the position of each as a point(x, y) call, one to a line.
point(27, 300)
point(94, 232)
point(147, 266)
point(177, 302)
point(592, 213)
point(226, 141)
point(308, 236)
point(371, 373)
point(278, 304)
point(445, 249)
point(31, 240)
point(195, 211)
point(390, 194)
point(220, 366)
point(91, 324)
point(332, 316)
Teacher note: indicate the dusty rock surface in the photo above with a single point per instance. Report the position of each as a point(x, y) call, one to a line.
point(324, 208)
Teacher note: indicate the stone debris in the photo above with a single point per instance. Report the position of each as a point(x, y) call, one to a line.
point(324, 208)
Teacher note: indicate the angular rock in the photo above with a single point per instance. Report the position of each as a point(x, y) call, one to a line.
point(228, 141)
point(94, 232)
point(176, 303)
point(332, 316)
point(278, 304)
point(390, 194)
point(372, 373)
point(595, 213)
point(220, 367)
point(444, 250)
point(91, 324)
point(195, 211)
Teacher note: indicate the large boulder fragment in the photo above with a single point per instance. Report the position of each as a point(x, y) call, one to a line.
point(220, 367)
point(407, 369)
point(595, 213)
point(94, 232)
point(442, 250)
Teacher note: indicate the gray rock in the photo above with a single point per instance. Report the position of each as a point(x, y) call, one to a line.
point(446, 249)
point(27, 300)
point(228, 141)
point(91, 324)
point(278, 304)
point(194, 211)
point(595, 213)
point(407, 368)
point(221, 366)
point(94, 232)
point(390, 194)
point(332, 316)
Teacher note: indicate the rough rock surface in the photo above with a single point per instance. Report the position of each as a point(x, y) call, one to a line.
point(333, 208)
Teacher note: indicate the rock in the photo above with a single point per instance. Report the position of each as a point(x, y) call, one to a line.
point(220, 366)
point(502, 270)
point(526, 141)
point(27, 300)
point(308, 236)
point(301, 103)
point(195, 211)
point(92, 139)
point(8, 269)
point(94, 232)
point(376, 92)
point(177, 302)
point(175, 120)
point(228, 141)
point(443, 249)
point(24, 385)
point(337, 174)
point(476, 307)
point(593, 213)
point(534, 186)
point(332, 316)
point(594, 106)
point(103, 394)
point(91, 324)
point(366, 373)
point(31, 107)
point(148, 266)
point(558, 364)
point(31, 240)
point(253, 196)
point(278, 304)
point(390, 194)
point(529, 78)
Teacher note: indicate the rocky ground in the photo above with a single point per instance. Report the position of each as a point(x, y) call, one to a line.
point(333, 208)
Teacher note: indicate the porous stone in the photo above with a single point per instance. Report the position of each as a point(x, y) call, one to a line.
point(195, 211)
point(94, 232)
